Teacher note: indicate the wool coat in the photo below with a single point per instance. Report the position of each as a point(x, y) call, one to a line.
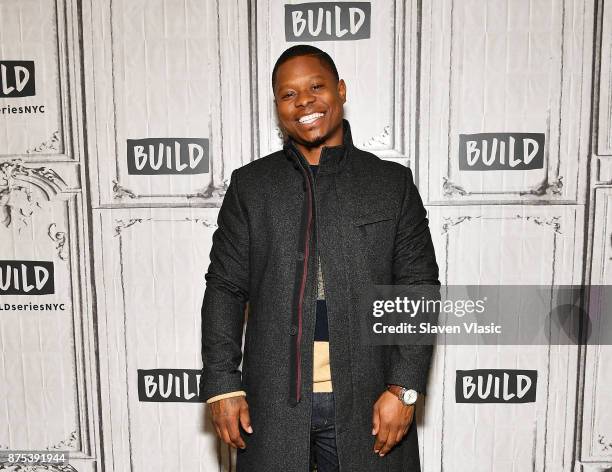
point(365, 218)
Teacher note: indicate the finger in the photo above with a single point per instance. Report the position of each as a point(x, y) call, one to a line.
point(401, 432)
point(245, 419)
point(381, 437)
point(225, 436)
point(218, 431)
point(234, 433)
point(375, 420)
point(390, 442)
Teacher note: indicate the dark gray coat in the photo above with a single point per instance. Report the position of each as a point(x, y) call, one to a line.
point(368, 224)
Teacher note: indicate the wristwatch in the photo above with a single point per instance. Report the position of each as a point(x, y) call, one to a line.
point(405, 395)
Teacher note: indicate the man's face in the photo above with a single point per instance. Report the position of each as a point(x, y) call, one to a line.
point(309, 102)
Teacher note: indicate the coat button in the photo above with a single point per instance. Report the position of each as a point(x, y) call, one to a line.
point(293, 330)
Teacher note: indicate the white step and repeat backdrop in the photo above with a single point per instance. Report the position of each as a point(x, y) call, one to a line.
point(121, 122)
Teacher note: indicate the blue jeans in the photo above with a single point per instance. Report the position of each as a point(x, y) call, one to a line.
point(323, 433)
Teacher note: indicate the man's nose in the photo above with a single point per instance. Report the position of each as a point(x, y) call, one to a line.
point(304, 98)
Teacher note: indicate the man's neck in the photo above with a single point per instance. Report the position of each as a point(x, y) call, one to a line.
point(313, 154)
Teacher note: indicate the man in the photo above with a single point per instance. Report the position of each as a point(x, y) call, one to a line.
point(301, 234)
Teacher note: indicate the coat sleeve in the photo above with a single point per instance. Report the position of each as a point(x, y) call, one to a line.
point(414, 263)
point(225, 298)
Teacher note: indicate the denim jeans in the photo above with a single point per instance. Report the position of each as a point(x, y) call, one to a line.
point(323, 433)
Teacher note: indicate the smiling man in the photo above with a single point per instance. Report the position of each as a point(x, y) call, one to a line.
point(301, 233)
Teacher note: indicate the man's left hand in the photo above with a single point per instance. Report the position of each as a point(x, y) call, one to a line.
point(390, 420)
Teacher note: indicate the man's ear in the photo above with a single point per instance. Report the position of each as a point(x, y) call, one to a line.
point(342, 90)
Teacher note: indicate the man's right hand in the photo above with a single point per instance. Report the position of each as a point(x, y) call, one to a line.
point(226, 415)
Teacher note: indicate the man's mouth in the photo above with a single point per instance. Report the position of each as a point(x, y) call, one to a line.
point(307, 119)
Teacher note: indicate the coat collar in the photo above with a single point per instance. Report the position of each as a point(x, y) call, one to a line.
point(333, 158)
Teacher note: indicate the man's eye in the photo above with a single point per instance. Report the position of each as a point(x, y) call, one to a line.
point(317, 86)
point(287, 95)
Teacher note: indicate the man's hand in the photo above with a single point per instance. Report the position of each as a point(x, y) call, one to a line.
point(390, 420)
point(226, 414)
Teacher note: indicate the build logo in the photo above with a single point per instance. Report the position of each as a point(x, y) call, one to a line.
point(501, 151)
point(496, 386)
point(169, 385)
point(17, 79)
point(26, 278)
point(327, 21)
point(155, 156)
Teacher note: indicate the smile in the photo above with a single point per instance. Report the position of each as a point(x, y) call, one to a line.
point(310, 118)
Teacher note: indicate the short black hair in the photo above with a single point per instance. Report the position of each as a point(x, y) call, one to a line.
point(305, 50)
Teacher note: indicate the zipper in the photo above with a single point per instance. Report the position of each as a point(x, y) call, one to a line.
point(311, 203)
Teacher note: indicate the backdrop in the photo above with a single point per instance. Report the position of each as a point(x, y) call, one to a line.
point(121, 122)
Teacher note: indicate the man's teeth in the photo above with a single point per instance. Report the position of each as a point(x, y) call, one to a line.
point(310, 118)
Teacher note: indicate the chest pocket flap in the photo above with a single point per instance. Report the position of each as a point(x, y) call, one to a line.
point(373, 216)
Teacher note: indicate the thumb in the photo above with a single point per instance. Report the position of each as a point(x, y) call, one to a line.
point(375, 420)
point(245, 419)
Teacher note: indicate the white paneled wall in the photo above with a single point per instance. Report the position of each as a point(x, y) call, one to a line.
point(130, 251)
point(48, 386)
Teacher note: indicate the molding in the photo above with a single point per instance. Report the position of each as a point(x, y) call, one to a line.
point(120, 224)
point(22, 188)
point(593, 467)
point(59, 238)
point(606, 444)
point(67, 443)
point(51, 144)
point(383, 139)
point(37, 467)
point(450, 188)
point(119, 191)
point(203, 221)
point(212, 192)
point(546, 188)
point(452, 221)
point(552, 221)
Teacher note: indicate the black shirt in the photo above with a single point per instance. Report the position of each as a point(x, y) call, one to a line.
point(321, 328)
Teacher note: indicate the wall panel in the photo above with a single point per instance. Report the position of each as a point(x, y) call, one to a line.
point(46, 383)
point(381, 68)
point(167, 69)
point(604, 134)
point(39, 124)
point(505, 66)
point(511, 245)
point(597, 413)
point(151, 302)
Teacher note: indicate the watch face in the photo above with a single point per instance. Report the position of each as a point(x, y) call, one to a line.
point(410, 397)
